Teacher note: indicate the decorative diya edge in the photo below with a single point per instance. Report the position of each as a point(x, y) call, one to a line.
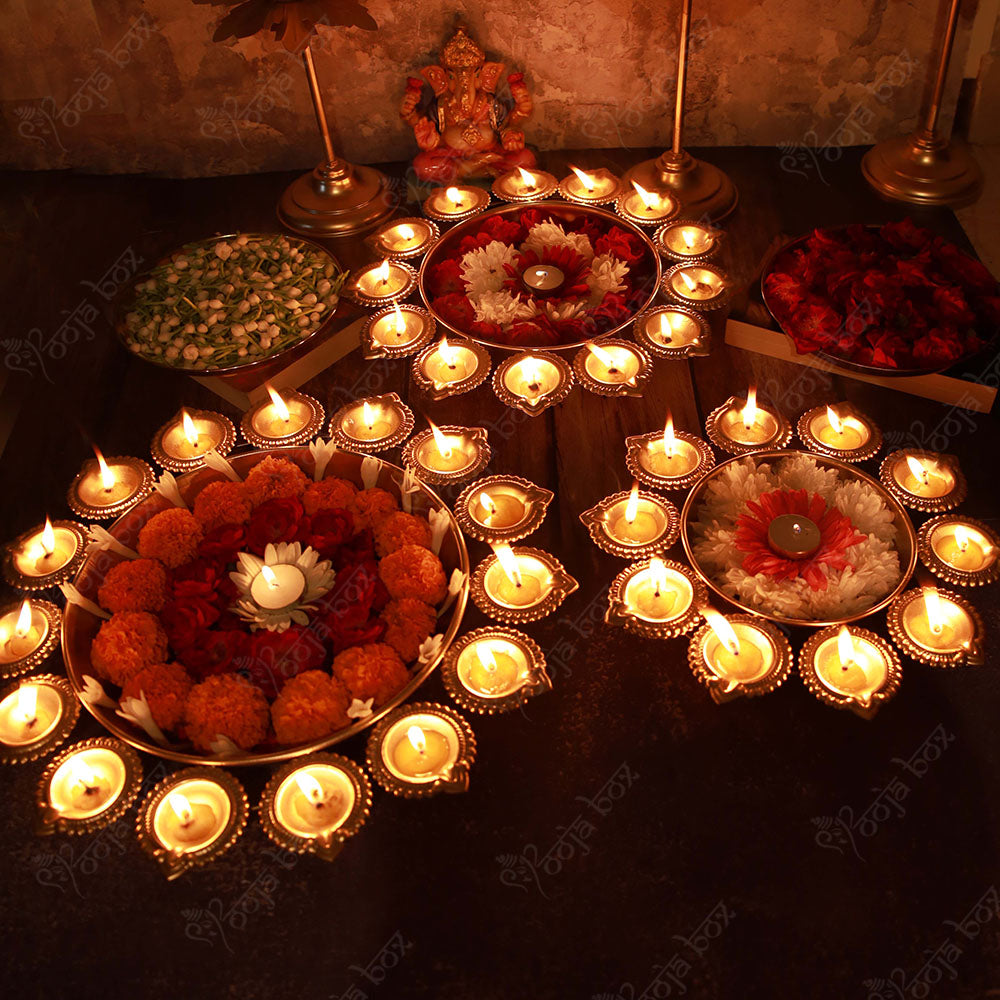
point(567, 382)
point(172, 464)
point(594, 520)
point(659, 241)
point(925, 505)
point(27, 753)
point(610, 390)
point(781, 440)
point(457, 388)
point(971, 656)
point(563, 585)
point(398, 436)
point(635, 444)
point(950, 574)
point(700, 347)
point(352, 292)
point(478, 434)
point(51, 642)
point(413, 252)
point(701, 305)
point(145, 488)
point(312, 427)
point(538, 497)
point(868, 450)
point(672, 629)
point(373, 351)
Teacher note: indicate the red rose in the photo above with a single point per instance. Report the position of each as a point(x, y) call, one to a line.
point(504, 230)
point(620, 244)
point(217, 651)
point(445, 277)
point(531, 217)
point(939, 347)
point(787, 290)
point(360, 549)
point(328, 530)
point(905, 235)
point(488, 331)
point(532, 333)
point(275, 657)
point(186, 618)
point(455, 309)
point(353, 595)
point(611, 312)
point(571, 331)
point(952, 307)
point(814, 326)
point(223, 543)
point(275, 521)
point(342, 636)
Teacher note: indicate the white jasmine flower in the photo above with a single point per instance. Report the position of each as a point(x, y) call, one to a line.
point(501, 307)
point(551, 234)
point(607, 274)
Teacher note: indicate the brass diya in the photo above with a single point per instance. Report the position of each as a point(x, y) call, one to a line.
point(131, 482)
point(532, 381)
point(518, 585)
point(372, 424)
point(397, 331)
point(961, 550)
point(17, 654)
point(501, 508)
point(34, 561)
point(30, 731)
point(743, 427)
point(673, 332)
point(652, 528)
point(952, 638)
point(840, 431)
point(656, 598)
point(924, 480)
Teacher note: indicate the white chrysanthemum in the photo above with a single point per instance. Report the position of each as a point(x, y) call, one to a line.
point(551, 234)
point(800, 472)
point(483, 268)
point(501, 307)
point(564, 310)
point(859, 502)
point(607, 274)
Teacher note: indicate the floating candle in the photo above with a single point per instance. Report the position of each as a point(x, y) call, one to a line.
point(46, 551)
point(793, 536)
point(277, 586)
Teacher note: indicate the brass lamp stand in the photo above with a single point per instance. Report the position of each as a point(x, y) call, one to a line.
point(703, 191)
point(337, 198)
point(924, 168)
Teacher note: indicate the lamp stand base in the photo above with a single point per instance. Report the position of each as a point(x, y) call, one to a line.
point(703, 191)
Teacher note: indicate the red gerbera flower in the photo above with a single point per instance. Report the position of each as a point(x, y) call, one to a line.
point(837, 535)
point(573, 266)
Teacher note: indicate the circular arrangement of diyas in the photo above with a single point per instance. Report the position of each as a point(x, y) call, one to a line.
point(960, 550)
point(673, 332)
point(612, 368)
point(456, 203)
point(420, 750)
point(29, 634)
point(183, 441)
point(646, 208)
point(520, 185)
point(45, 557)
point(851, 668)
point(742, 427)
point(739, 656)
point(590, 187)
point(668, 459)
point(87, 786)
point(501, 508)
point(532, 381)
point(494, 669)
point(449, 454)
point(36, 715)
point(288, 418)
point(633, 524)
point(936, 627)
point(191, 817)
point(403, 239)
point(657, 598)
point(372, 424)
point(924, 480)
point(376, 285)
point(106, 488)
point(518, 585)
point(684, 241)
point(311, 805)
point(397, 331)
point(449, 368)
point(839, 431)
point(701, 285)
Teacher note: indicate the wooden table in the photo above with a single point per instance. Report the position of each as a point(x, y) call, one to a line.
point(730, 805)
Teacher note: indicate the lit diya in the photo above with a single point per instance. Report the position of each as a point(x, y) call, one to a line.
point(963, 551)
point(182, 442)
point(668, 460)
point(743, 426)
point(382, 283)
point(396, 331)
point(739, 656)
point(520, 185)
point(501, 508)
point(703, 286)
point(590, 187)
point(29, 634)
point(284, 419)
point(448, 454)
point(87, 786)
point(516, 585)
point(673, 332)
point(839, 431)
point(449, 368)
point(685, 241)
point(658, 598)
point(924, 480)
point(106, 488)
point(455, 203)
point(313, 804)
point(937, 627)
point(532, 381)
point(192, 817)
point(612, 368)
point(45, 556)
point(850, 667)
point(36, 715)
point(646, 208)
point(633, 524)
point(372, 424)
point(402, 239)
point(421, 749)
point(494, 670)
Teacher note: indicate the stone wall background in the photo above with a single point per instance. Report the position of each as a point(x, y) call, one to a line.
point(123, 86)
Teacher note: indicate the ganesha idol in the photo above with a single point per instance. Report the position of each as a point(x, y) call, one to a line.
point(467, 132)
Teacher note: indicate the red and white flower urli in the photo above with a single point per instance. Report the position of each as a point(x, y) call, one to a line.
point(180, 638)
point(533, 279)
point(895, 297)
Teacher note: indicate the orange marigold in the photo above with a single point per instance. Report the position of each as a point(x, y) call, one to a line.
point(372, 671)
point(134, 585)
point(371, 507)
point(329, 494)
point(413, 571)
point(310, 706)
point(224, 502)
point(166, 687)
point(274, 479)
point(408, 622)
point(226, 705)
point(399, 529)
point(127, 642)
point(172, 536)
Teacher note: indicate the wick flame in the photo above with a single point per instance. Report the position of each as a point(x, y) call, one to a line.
point(107, 476)
point(632, 507)
point(400, 322)
point(279, 404)
point(835, 422)
point(48, 538)
point(488, 505)
point(585, 179)
point(649, 199)
point(309, 787)
point(529, 179)
point(686, 235)
point(368, 414)
point(846, 650)
point(669, 438)
point(532, 374)
point(602, 355)
point(190, 431)
point(508, 562)
point(454, 196)
point(666, 326)
point(405, 232)
point(441, 441)
point(919, 469)
point(749, 413)
point(724, 632)
point(688, 280)
point(23, 625)
point(382, 272)
point(417, 739)
point(27, 703)
point(962, 537)
point(181, 807)
point(269, 576)
point(80, 772)
point(934, 608)
point(486, 657)
point(658, 574)
point(448, 352)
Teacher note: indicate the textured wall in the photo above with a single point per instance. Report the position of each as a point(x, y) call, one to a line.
point(138, 85)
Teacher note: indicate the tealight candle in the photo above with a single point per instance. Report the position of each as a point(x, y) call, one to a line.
point(936, 627)
point(46, 552)
point(960, 550)
point(104, 489)
point(22, 632)
point(372, 424)
point(698, 285)
point(670, 457)
point(839, 431)
point(448, 368)
point(845, 434)
point(658, 598)
point(397, 331)
point(452, 204)
point(632, 524)
point(521, 584)
point(447, 454)
point(501, 507)
point(612, 367)
point(404, 238)
point(36, 715)
point(532, 382)
point(380, 283)
point(524, 185)
point(277, 586)
point(923, 480)
point(288, 418)
point(740, 427)
point(646, 207)
point(963, 548)
point(671, 460)
point(593, 187)
point(444, 452)
point(672, 331)
point(685, 241)
point(182, 442)
point(635, 522)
